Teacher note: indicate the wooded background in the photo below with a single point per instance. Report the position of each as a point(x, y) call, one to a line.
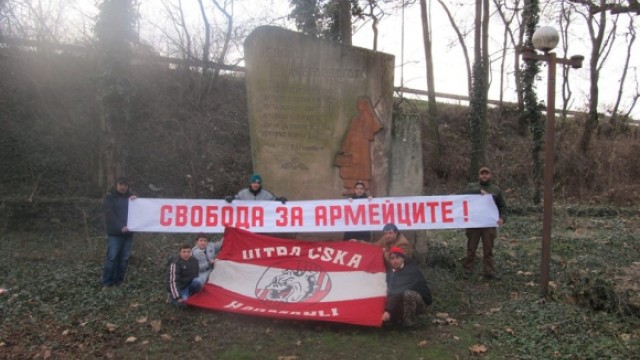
point(172, 115)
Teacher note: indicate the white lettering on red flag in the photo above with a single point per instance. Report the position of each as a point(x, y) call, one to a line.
point(408, 213)
point(325, 281)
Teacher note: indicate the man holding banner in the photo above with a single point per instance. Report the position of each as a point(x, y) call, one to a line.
point(486, 234)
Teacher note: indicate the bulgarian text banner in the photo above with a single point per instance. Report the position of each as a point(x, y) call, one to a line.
point(408, 213)
point(325, 281)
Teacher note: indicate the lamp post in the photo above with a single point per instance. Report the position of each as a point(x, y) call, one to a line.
point(545, 39)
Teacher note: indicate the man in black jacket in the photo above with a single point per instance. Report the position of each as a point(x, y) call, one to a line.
point(183, 276)
point(119, 238)
point(407, 291)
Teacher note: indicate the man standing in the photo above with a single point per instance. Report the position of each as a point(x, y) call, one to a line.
point(255, 191)
point(119, 238)
point(487, 235)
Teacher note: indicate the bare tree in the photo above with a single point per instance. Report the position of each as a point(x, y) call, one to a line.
point(566, 17)
point(636, 96)
point(227, 35)
point(631, 34)
point(461, 40)
point(507, 20)
point(596, 23)
point(432, 110)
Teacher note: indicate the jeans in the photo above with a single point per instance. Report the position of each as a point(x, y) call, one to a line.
point(194, 286)
point(117, 259)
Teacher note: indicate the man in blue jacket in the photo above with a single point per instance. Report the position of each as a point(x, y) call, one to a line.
point(119, 238)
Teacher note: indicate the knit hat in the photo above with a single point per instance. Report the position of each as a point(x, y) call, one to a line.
point(122, 180)
point(398, 251)
point(390, 227)
point(255, 178)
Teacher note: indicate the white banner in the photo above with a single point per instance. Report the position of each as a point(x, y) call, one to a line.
point(408, 213)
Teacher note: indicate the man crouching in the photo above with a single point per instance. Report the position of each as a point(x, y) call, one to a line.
point(407, 291)
point(183, 276)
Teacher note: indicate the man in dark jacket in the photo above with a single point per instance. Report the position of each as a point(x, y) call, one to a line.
point(183, 278)
point(407, 291)
point(119, 238)
point(487, 235)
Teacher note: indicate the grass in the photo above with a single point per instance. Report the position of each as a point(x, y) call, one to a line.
point(55, 308)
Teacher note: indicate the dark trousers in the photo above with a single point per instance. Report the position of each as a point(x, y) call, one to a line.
point(487, 235)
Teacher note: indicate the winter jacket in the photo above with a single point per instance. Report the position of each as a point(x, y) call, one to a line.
point(181, 273)
point(400, 241)
point(408, 278)
point(116, 210)
point(247, 194)
point(204, 256)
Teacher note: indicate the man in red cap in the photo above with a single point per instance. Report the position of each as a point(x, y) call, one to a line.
point(487, 235)
point(407, 291)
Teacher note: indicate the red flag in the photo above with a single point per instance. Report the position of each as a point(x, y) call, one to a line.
point(305, 280)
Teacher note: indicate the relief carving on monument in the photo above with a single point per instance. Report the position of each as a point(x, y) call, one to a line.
point(354, 158)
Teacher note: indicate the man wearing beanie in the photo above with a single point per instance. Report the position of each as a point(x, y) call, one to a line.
point(393, 238)
point(487, 235)
point(255, 191)
point(408, 294)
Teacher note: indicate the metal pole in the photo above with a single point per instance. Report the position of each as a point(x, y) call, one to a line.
point(548, 173)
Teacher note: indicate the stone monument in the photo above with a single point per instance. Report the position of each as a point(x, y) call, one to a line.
point(319, 114)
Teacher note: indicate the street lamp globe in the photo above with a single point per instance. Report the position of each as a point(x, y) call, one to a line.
point(545, 38)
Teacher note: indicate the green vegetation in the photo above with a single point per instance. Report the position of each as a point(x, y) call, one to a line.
point(54, 307)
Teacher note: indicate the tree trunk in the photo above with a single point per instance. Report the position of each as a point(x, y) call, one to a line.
point(432, 112)
point(478, 101)
point(532, 114)
point(345, 21)
point(594, 73)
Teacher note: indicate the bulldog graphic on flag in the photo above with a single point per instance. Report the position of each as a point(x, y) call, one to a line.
point(305, 280)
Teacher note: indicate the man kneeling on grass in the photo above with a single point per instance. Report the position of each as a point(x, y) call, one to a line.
point(183, 276)
point(407, 291)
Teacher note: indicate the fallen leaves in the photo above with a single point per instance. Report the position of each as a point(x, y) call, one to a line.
point(130, 339)
point(165, 337)
point(444, 318)
point(288, 357)
point(477, 349)
point(111, 327)
point(422, 343)
point(510, 331)
point(198, 338)
point(156, 325)
point(141, 320)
